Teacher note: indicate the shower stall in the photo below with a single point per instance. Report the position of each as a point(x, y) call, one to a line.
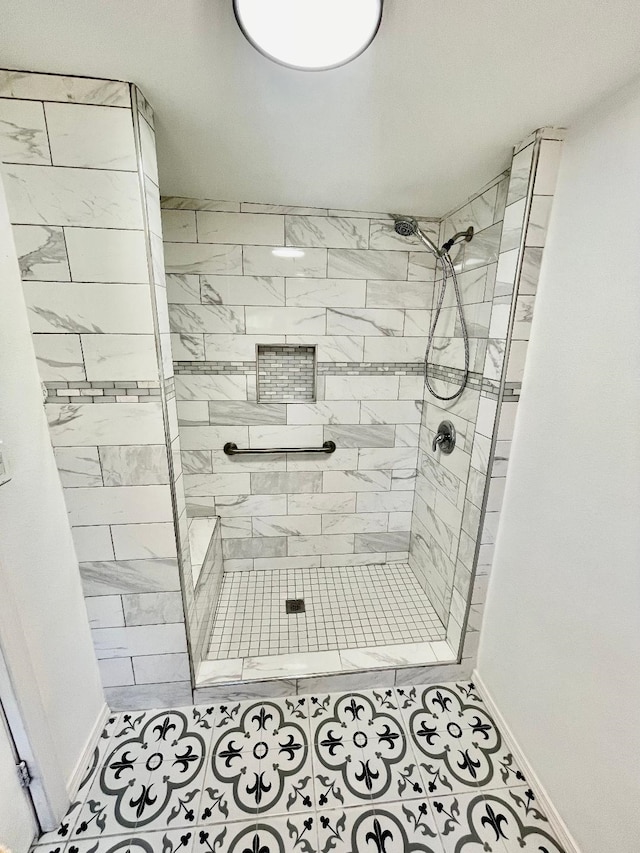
point(357, 543)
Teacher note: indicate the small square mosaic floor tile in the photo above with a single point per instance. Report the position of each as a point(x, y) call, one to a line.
point(406, 770)
point(345, 608)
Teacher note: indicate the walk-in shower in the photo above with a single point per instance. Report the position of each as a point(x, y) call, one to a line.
point(409, 228)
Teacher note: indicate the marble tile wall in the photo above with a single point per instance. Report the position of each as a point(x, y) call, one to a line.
point(346, 284)
point(529, 199)
point(444, 511)
point(78, 165)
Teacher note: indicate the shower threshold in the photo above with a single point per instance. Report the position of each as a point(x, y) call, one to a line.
point(356, 619)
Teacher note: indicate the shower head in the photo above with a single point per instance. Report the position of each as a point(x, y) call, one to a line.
point(405, 227)
point(409, 227)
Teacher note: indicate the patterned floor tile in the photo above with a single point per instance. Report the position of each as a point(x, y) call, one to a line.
point(284, 834)
point(508, 821)
point(168, 841)
point(260, 762)
point(393, 828)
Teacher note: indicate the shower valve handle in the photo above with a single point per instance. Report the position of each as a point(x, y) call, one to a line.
point(445, 438)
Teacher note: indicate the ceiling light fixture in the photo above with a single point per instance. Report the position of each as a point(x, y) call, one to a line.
point(310, 35)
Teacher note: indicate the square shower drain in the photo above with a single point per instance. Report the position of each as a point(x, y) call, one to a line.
point(294, 605)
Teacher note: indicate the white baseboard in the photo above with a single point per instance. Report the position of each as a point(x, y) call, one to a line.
point(555, 821)
point(85, 756)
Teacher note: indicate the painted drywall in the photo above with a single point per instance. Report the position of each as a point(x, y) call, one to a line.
point(560, 646)
point(44, 631)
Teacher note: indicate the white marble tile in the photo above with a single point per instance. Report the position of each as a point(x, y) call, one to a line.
point(212, 485)
point(326, 232)
point(422, 267)
point(92, 543)
point(506, 273)
point(380, 349)
point(141, 541)
point(226, 347)
point(209, 319)
point(289, 482)
point(242, 290)
point(330, 412)
point(107, 423)
point(23, 132)
point(291, 666)
point(332, 347)
point(393, 502)
point(523, 317)
point(403, 654)
point(340, 460)
point(219, 671)
point(251, 505)
point(365, 321)
point(530, 271)
point(328, 292)
point(517, 359)
point(254, 207)
point(139, 640)
point(328, 561)
point(411, 388)
point(78, 466)
point(287, 525)
point(407, 435)
point(386, 458)
point(148, 150)
point(399, 294)
point(512, 225)
point(320, 504)
point(367, 263)
point(107, 255)
point(366, 522)
point(183, 289)
point(206, 438)
point(365, 388)
point(59, 357)
point(181, 203)
point(94, 308)
point(548, 167)
point(210, 387)
point(119, 505)
point(302, 321)
point(116, 672)
point(193, 413)
point(55, 87)
point(478, 212)
point(538, 220)
point(91, 137)
point(234, 528)
point(179, 226)
point(418, 322)
point(156, 669)
point(383, 412)
point(399, 521)
point(46, 195)
point(203, 258)
point(261, 260)
point(105, 611)
point(247, 228)
point(126, 357)
point(356, 481)
point(520, 173)
point(273, 563)
point(42, 253)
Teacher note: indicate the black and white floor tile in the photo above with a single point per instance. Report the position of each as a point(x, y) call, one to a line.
point(415, 769)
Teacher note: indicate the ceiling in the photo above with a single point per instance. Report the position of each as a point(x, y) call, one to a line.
point(426, 115)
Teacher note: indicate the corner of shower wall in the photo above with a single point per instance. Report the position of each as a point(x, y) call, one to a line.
point(82, 191)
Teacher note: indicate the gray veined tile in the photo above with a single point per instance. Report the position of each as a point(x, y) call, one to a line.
point(206, 319)
point(261, 261)
point(182, 289)
point(329, 292)
point(179, 226)
point(110, 423)
point(238, 412)
point(243, 228)
point(50, 195)
point(187, 347)
point(23, 132)
point(326, 232)
point(365, 321)
point(59, 357)
point(399, 294)
point(378, 435)
point(242, 290)
point(42, 253)
point(56, 87)
point(78, 466)
point(92, 137)
point(520, 174)
point(118, 577)
point(93, 308)
point(203, 258)
point(367, 263)
point(107, 255)
point(126, 357)
point(143, 541)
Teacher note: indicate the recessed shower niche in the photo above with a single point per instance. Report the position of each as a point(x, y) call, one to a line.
point(285, 374)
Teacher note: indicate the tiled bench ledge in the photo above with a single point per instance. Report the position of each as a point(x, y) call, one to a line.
point(306, 672)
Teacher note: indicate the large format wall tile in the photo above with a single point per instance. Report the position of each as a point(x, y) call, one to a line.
point(91, 137)
point(23, 133)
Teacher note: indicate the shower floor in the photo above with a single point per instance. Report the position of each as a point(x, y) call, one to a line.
point(345, 608)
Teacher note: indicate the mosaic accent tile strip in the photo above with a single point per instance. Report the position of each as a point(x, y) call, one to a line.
point(118, 391)
point(376, 605)
point(286, 374)
point(420, 769)
point(324, 368)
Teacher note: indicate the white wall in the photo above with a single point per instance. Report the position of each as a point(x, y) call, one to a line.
point(560, 648)
point(44, 632)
